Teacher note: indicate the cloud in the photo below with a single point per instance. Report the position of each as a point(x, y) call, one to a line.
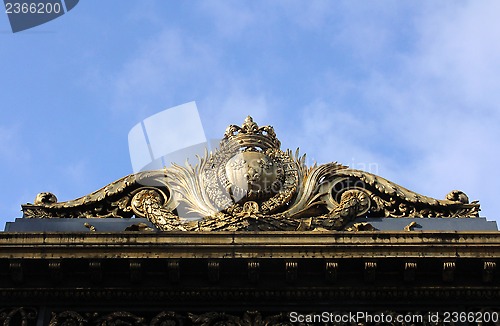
point(438, 111)
point(230, 19)
point(331, 132)
point(175, 67)
point(409, 89)
point(232, 106)
point(449, 108)
point(162, 67)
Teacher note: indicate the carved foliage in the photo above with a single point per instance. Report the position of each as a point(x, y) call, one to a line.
point(95, 318)
point(249, 183)
point(167, 318)
point(111, 201)
point(256, 318)
point(18, 316)
point(68, 318)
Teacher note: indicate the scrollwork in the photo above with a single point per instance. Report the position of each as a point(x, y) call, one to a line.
point(249, 318)
point(256, 318)
point(249, 183)
point(153, 204)
point(168, 318)
point(17, 316)
point(67, 318)
point(122, 318)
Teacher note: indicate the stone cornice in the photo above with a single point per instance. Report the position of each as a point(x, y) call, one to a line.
point(415, 244)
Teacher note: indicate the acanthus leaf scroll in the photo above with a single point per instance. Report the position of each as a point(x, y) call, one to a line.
point(250, 184)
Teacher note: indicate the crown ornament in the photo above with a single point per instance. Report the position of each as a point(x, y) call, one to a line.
point(250, 136)
point(249, 166)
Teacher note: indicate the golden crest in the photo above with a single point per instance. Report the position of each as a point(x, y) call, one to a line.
point(252, 175)
point(250, 184)
point(249, 166)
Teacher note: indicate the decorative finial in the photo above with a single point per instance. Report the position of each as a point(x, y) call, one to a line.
point(249, 126)
point(250, 134)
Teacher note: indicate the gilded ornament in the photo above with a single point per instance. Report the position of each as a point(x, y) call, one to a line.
point(250, 184)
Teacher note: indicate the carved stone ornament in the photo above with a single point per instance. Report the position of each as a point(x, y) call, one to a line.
point(250, 184)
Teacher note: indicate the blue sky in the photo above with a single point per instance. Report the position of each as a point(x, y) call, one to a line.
point(407, 90)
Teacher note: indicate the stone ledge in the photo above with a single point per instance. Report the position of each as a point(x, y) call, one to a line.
point(374, 244)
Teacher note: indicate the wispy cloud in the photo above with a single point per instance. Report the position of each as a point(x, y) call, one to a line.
point(231, 19)
point(438, 111)
point(413, 88)
point(162, 67)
